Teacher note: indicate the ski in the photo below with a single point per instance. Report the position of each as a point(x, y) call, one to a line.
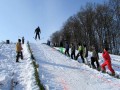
point(115, 76)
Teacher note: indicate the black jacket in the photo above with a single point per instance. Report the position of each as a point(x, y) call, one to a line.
point(37, 30)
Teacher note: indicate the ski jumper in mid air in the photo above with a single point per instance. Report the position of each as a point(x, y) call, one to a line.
point(37, 33)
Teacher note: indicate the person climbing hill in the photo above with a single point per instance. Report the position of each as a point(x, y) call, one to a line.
point(107, 62)
point(95, 58)
point(19, 50)
point(80, 52)
point(72, 51)
point(67, 49)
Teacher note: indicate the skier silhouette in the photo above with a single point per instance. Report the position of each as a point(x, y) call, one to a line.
point(23, 39)
point(37, 31)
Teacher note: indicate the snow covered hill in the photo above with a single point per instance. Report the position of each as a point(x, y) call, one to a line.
point(21, 73)
point(56, 71)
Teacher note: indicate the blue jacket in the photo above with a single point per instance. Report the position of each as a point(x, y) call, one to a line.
point(67, 46)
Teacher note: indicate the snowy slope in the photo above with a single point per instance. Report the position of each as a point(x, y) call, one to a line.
point(58, 72)
point(115, 60)
point(21, 73)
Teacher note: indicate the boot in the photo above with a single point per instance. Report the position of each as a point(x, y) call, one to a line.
point(103, 71)
point(113, 74)
point(17, 59)
point(99, 68)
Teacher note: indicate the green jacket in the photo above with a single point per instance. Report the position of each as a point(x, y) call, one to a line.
point(80, 48)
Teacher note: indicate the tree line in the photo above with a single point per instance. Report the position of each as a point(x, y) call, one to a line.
point(94, 24)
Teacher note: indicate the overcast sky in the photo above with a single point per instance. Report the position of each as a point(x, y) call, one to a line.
point(20, 17)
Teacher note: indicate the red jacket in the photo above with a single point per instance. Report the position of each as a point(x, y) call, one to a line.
point(106, 56)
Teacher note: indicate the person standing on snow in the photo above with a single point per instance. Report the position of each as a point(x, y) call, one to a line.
point(61, 46)
point(72, 51)
point(80, 52)
point(23, 40)
point(85, 54)
point(67, 49)
point(19, 50)
point(107, 62)
point(48, 42)
point(37, 31)
point(95, 58)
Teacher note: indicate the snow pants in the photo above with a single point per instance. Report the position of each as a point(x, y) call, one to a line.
point(19, 54)
point(80, 54)
point(73, 55)
point(107, 63)
point(37, 34)
point(94, 59)
point(22, 41)
point(67, 52)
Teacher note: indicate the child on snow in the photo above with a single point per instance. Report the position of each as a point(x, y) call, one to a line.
point(72, 51)
point(95, 58)
point(80, 52)
point(107, 61)
point(67, 49)
point(85, 54)
point(19, 50)
point(23, 40)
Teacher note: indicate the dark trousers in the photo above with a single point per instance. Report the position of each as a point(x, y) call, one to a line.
point(37, 34)
point(73, 55)
point(19, 54)
point(80, 54)
point(22, 41)
point(94, 59)
point(67, 52)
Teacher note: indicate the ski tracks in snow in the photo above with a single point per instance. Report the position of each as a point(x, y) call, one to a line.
point(17, 76)
point(25, 72)
point(58, 72)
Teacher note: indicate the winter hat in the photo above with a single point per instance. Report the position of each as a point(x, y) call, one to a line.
point(106, 48)
point(19, 40)
point(79, 44)
point(84, 45)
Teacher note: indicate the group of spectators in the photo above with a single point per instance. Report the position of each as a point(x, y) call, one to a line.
point(83, 53)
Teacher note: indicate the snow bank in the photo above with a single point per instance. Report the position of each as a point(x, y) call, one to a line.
point(22, 73)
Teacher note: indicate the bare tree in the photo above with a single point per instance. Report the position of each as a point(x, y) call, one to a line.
point(95, 24)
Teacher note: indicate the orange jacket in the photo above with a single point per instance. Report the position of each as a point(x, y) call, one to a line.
point(18, 47)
